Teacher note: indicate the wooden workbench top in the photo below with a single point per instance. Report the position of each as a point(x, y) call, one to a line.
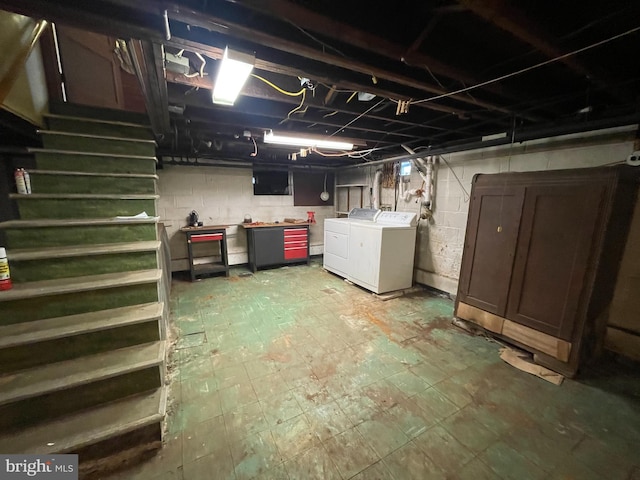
point(271, 224)
point(205, 227)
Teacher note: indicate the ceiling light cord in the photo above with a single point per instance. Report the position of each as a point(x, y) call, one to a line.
point(274, 86)
point(532, 67)
point(297, 109)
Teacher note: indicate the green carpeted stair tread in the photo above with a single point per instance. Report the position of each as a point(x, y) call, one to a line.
point(71, 325)
point(81, 250)
point(79, 284)
point(68, 374)
point(73, 432)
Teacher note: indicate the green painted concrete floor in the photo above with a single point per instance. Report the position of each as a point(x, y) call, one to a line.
point(293, 373)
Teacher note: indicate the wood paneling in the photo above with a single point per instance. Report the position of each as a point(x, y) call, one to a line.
point(90, 69)
point(548, 344)
point(487, 320)
point(307, 188)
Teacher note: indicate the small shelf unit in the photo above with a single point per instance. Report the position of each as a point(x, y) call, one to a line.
point(349, 187)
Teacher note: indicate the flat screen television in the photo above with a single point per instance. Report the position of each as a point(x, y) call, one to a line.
point(269, 182)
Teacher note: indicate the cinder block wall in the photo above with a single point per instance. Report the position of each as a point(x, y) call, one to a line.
point(224, 196)
point(440, 240)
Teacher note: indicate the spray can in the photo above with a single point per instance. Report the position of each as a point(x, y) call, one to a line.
point(27, 180)
point(20, 183)
point(5, 277)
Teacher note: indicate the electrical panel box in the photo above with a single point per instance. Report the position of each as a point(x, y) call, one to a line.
point(177, 64)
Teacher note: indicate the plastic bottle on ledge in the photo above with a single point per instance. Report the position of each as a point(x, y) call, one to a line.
point(5, 277)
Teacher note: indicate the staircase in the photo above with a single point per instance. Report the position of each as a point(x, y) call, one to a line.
point(82, 333)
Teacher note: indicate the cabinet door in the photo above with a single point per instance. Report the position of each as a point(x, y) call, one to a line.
point(492, 232)
point(558, 223)
point(269, 246)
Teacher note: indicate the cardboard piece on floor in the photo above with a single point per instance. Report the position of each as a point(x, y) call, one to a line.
point(396, 293)
point(523, 362)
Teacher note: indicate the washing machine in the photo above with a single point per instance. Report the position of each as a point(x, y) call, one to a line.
point(376, 253)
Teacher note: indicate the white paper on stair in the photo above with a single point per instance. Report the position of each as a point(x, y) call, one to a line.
point(133, 217)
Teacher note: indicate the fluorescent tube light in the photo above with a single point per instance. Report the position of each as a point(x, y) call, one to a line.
point(270, 137)
point(234, 71)
point(495, 136)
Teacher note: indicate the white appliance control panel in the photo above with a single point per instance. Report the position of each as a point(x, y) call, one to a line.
point(396, 218)
point(363, 214)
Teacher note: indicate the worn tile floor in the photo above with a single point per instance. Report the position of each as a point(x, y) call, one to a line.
point(294, 374)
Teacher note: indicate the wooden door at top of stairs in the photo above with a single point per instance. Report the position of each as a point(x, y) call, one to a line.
point(490, 244)
point(92, 72)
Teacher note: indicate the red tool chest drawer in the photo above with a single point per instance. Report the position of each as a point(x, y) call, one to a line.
point(206, 237)
point(295, 252)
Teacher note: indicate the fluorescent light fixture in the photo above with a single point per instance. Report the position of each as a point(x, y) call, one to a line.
point(270, 137)
point(234, 71)
point(495, 136)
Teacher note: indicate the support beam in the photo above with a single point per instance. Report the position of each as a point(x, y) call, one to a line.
point(417, 43)
point(342, 32)
point(267, 66)
point(256, 89)
point(320, 76)
point(501, 14)
point(274, 114)
point(229, 28)
point(225, 27)
point(148, 61)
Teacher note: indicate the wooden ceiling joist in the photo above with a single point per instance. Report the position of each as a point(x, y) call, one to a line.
point(508, 18)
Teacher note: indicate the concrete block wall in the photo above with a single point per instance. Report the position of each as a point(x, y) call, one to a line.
point(440, 240)
point(224, 196)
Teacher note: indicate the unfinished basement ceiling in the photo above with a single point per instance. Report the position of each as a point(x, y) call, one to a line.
point(420, 52)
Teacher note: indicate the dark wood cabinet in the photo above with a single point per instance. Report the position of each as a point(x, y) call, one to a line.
point(494, 218)
point(541, 253)
point(273, 244)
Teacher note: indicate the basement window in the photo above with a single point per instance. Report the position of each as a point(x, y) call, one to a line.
point(270, 182)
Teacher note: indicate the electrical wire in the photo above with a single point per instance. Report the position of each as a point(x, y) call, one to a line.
point(566, 37)
point(323, 44)
point(357, 118)
point(274, 86)
point(434, 77)
point(532, 67)
point(337, 90)
point(204, 62)
point(351, 97)
point(255, 147)
point(297, 109)
point(191, 75)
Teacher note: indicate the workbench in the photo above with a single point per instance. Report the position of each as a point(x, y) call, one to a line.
point(206, 234)
point(272, 244)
